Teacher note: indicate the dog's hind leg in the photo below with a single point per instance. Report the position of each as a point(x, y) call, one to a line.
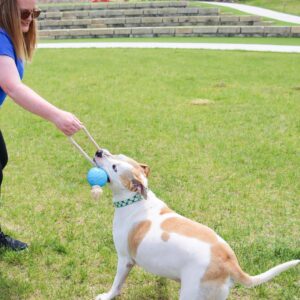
point(124, 267)
point(190, 286)
point(223, 293)
point(215, 290)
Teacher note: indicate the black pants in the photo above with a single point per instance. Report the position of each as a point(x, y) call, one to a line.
point(3, 156)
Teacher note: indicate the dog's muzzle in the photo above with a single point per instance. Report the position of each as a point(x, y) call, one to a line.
point(99, 153)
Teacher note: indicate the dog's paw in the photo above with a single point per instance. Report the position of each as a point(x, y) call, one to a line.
point(104, 296)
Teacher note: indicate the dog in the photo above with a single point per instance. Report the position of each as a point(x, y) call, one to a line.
point(148, 233)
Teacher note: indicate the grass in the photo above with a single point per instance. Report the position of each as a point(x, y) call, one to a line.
point(231, 11)
point(233, 165)
point(226, 40)
point(286, 6)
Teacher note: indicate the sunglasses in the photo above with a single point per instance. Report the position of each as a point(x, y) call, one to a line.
point(26, 13)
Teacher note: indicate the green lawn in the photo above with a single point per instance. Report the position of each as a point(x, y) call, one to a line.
point(286, 6)
point(233, 165)
point(231, 11)
point(225, 40)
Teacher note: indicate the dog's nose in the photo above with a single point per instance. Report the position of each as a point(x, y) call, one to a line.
point(99, 153)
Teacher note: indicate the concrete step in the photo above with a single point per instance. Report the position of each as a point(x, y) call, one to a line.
point(112, 5)
point(150, 22)
point(190, 31)
point(138, 12)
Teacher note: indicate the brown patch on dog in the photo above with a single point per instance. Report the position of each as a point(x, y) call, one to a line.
point(189, 229)
point(142, 167)
point(165, 236)
point(219, 263)
point(136, 172)
point(134, 182)
point(166, 210)
point(126, 182)
point(138, 183)
point(146, 169)
point(223, 264)
point(136, 236)
point(128, 177)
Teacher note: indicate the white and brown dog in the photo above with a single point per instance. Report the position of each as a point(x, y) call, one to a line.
point(148, 233)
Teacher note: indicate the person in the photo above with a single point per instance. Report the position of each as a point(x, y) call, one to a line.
point(17, 44)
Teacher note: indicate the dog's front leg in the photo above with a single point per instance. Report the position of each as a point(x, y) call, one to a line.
point(124, 267)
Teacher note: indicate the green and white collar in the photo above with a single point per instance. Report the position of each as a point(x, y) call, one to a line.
point(123, 203)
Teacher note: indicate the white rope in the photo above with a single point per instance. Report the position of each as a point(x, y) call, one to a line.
point(91, 138)
point(81, 150)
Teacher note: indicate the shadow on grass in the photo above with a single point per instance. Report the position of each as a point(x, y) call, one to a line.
point(161, 288)
point(156, 290)
point(11, 288)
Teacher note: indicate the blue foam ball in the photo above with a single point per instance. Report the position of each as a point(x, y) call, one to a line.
point(97, 176)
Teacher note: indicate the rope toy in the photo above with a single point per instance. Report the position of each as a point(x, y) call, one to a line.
point(96, 176)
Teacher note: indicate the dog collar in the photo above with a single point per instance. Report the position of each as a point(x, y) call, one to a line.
point(123, 203)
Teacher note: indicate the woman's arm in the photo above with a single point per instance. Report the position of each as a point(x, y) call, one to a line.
point(28, 99)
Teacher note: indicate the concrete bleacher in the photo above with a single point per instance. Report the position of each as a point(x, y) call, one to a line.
point(149, 19)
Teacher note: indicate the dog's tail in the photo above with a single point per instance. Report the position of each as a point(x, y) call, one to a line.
point(243, 278)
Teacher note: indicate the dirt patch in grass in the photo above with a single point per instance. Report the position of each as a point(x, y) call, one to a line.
point(202, 102)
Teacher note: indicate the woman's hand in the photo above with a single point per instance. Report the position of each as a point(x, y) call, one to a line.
point(67, 122)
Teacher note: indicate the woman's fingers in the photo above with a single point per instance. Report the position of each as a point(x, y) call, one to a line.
point(68, 123)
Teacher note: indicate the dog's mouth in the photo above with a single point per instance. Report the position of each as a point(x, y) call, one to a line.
point(102, 167)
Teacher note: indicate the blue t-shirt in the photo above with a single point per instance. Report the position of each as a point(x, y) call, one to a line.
point(7, 49)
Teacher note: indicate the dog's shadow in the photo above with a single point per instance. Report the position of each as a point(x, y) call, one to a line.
point(162, 288)
point(157, 289)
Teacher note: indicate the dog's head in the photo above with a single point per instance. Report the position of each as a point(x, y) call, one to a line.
point(125, 174)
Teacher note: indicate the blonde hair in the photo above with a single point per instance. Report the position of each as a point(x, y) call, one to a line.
point(10, 21)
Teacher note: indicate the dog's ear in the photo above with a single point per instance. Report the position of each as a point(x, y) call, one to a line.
point(146, 169)
point(138, 187)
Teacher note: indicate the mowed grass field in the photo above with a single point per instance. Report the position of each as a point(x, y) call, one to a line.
point(232, 164)
point(223, 40)
point(286, 6)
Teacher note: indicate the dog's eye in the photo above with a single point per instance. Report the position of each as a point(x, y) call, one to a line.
point(114, 168)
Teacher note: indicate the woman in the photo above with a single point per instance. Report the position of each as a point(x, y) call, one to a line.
point(17, 45)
